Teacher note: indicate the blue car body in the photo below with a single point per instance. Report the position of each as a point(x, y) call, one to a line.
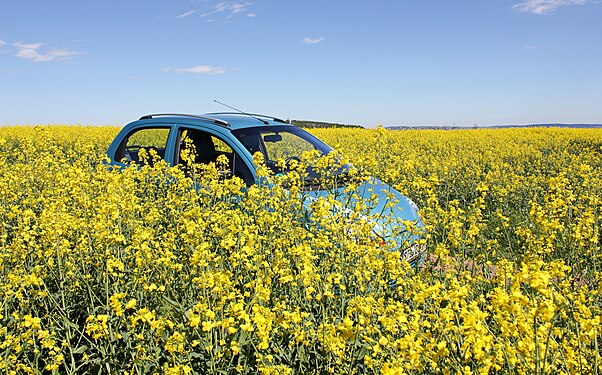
point(245, 134)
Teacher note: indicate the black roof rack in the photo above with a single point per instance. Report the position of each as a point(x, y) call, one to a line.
point(249, 114)
point(211, 119)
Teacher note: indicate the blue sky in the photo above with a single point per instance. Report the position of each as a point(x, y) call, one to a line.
point(405, 62)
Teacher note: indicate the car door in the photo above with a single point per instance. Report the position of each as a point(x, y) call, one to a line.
point(143, 144)
point(203, 145)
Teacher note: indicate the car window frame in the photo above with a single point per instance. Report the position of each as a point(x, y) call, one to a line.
point(168, 156)
point(223, 135)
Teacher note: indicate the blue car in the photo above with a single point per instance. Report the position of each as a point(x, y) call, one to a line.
point(239, 136)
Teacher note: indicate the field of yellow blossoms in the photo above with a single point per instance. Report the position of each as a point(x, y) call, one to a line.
point(136, 271)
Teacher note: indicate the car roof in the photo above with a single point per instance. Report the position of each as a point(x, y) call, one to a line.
point(230, 120)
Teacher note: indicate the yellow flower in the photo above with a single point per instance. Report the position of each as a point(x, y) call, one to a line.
point(97, 327)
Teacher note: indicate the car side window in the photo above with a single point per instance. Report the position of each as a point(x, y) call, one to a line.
point(199, 147)
point(144, 145)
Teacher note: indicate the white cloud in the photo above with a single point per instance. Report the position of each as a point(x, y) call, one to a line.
point(309, 40)
point(200, 69)
point(545, 6)
point(183, 15)
point(229, 7)
point(237, 7)
point(2, 42)
point(29, 51)
point(251, 15)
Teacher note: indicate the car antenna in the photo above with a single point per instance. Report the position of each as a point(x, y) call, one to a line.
point(244, 113)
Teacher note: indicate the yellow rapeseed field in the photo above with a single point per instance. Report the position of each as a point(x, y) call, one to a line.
point(144, 270)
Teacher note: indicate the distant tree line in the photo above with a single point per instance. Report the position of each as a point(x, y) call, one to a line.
point(476, 126)
point(320, 124)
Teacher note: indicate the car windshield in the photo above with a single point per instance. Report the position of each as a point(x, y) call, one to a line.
point(278, 143)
